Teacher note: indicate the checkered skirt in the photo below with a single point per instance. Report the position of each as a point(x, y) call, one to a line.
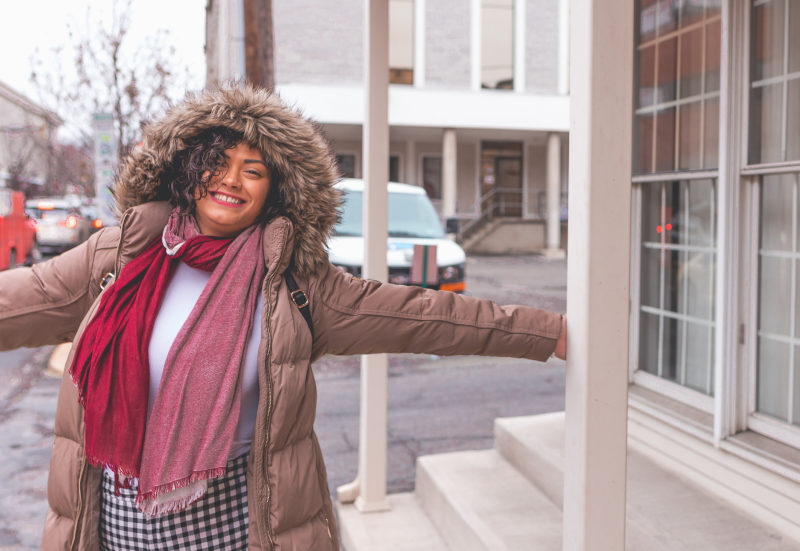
point(217, 521)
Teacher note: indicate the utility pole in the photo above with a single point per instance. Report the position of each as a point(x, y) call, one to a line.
point(258, 40)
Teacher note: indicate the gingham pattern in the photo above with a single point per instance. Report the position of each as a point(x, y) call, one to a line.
point(217, 521)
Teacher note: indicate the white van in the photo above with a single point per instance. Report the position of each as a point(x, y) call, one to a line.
point(412, 221)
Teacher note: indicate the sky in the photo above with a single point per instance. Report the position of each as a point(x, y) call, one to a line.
point(28, 24)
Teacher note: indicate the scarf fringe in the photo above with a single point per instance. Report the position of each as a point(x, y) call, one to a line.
point(147, 501)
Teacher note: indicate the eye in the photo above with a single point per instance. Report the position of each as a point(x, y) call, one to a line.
point(255, 173)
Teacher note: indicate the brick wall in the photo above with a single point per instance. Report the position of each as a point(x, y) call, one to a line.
point(447, 38)
point(318, 42)
point(541, 48)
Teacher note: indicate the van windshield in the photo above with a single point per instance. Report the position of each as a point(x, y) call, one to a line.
point(410, 215)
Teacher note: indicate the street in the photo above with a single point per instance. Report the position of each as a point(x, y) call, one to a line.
point(435, 404)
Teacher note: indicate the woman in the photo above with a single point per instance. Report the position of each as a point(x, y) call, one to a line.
point(186, 420)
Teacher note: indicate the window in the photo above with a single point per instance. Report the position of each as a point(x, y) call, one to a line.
point(497, 44)
point(401, 41)
point(432, 176)
point(774, 82)
point(394, 168)
point(676, 120)
point(347, 165)
point(677, 282)
point(675, 157)
point(778, 338)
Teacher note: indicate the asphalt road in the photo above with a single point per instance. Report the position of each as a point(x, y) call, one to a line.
point(435, 404)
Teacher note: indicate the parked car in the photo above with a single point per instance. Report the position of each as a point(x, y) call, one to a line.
point(412, 221)
point(59, 224)
point(92, 214)
point(17, 231)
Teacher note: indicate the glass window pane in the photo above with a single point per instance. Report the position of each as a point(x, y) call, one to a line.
point(775, 285)
point(647, 76)
point(711, 133)
point(674, 206)
point(497, 44)
point(432, 176)
point(713, 42)
point(699, 281)
point(647, 20)
point(713, 8)
point(691, 62)
point(401, 41)
point(773, 378)
point(766, 124)
point(796, 389)
point(648, 343)
point(793, 118)
point(691, 12)
point(670, 354)
point(794, 37)
point(776, 212)
point(643, 144)
point(665, 140)
point(766, 50)
point(651, 278)
point(674, 280)
point(698, 366)
point(652, 214)
point(689, 151)
point(667, 69)
point(701, 205)
point(667, 17)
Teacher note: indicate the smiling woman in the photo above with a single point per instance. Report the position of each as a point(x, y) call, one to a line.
point(187, 417)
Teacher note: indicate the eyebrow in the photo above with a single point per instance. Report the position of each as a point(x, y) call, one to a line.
point(256, 161)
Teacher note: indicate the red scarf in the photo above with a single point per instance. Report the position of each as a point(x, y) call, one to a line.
point(190, 431)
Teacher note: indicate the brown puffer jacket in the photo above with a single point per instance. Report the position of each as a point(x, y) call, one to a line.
point(288, 496)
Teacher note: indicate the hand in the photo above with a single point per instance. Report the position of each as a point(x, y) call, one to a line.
point(561, 344)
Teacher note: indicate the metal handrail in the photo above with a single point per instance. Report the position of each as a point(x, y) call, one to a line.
point(494, 203)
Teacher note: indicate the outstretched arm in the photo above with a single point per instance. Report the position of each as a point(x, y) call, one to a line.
point(45, 304)
point(354, 316)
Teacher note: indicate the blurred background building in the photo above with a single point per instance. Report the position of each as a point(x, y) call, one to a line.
point(478, 108)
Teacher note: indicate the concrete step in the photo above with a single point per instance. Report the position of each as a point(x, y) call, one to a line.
point(405, 527)
point(479, 502)
point(664, 510)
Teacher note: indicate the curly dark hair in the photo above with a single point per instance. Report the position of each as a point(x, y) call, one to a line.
point(187, 176)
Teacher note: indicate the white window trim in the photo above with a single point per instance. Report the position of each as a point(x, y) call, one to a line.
point(683, 394)
point(475, 21)
point(419, 43)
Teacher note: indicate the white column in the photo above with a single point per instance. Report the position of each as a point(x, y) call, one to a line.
point(475, 44)
point(372, 423)
point(449, 168)
point(598, 275)
point(554, 249)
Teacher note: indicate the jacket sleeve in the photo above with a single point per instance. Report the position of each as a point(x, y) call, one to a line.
point(45, 304)
point(355, 316)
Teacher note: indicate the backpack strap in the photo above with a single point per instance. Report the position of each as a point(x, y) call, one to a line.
point(300, 300)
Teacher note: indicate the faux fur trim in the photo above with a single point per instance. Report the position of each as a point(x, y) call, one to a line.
point(288, 141)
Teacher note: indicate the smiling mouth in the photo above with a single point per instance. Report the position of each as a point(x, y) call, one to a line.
point(226, 200)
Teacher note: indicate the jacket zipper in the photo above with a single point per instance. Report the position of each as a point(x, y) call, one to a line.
point(269, 396)
point(80, 504)
point(83, 460)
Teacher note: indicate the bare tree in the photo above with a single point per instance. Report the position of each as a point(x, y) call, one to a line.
point(258, 40)
point(110, 74)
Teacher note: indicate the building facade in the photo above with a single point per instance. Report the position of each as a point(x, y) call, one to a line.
point(478, 101)
point(27, 136)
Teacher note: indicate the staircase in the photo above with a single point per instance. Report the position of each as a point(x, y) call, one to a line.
point(509, 499)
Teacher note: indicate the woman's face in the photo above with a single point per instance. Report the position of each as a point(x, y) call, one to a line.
point(236, 199)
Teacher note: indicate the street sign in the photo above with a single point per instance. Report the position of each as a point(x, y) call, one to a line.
point(105, 157)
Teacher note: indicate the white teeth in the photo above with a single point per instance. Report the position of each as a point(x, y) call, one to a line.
point(227, 199)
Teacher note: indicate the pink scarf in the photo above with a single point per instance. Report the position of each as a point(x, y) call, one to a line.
point(190, 432)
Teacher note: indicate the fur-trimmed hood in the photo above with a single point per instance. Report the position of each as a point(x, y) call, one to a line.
point(289, 142)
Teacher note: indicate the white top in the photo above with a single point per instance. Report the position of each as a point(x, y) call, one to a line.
point(182, 293)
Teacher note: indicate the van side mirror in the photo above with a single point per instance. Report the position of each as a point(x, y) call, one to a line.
point(451, 225)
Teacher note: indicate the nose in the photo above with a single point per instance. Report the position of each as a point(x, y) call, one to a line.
point(230, 179)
